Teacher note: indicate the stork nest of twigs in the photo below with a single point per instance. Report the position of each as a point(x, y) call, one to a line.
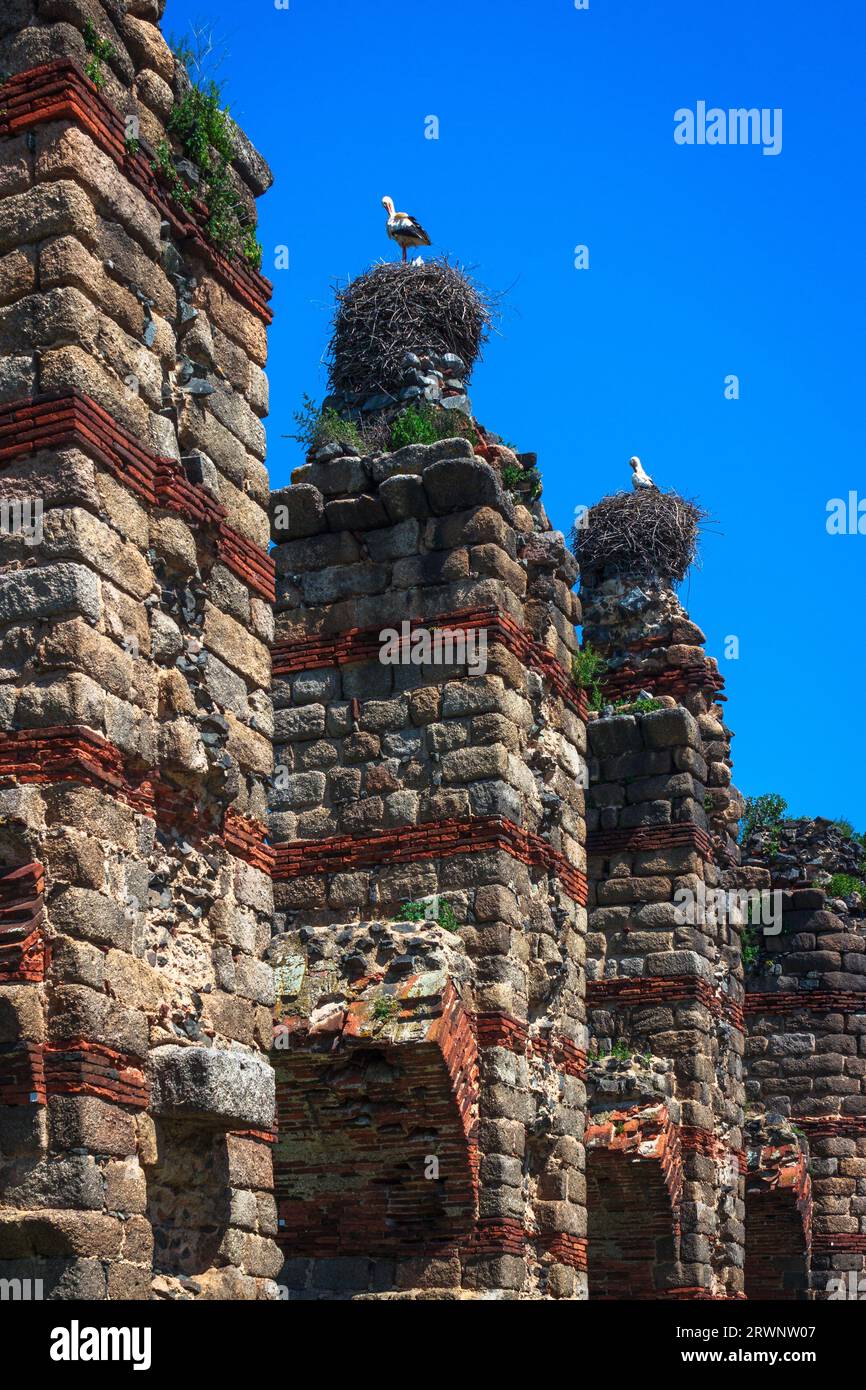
point(393, 309)
point(646, 533)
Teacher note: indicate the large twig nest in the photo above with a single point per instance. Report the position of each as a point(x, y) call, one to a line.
point(393, 309)
point(647, 533)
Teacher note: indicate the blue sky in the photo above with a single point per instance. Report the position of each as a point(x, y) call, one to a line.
point(556, 130)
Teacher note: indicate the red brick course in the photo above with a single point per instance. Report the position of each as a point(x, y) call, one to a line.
point(628, 840)
point(433, 840)
point(60, 91)
point(31, 1072)
point(69, 754)
point(358, 645)
point(709, 1145)
point(22, 919)
point(68, 418)
point(833, 1242)
point(563, 1249)
point(22, 1074)
point(78, 1067)
point(678, 681)
point(815, 1001)
point(248, 840)
point(649, 989)
point(832, 1126)
point(499, 1029)
point(504, 1235)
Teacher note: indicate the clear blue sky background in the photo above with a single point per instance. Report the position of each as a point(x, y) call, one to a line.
point(556, 129)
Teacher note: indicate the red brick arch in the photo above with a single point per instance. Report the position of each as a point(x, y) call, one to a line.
point(634, 1181)
point(359, 1117)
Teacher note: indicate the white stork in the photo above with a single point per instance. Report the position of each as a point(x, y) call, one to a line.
point(639, 476)
point(403, 229)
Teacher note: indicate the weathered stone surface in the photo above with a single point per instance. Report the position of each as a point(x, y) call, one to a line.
point(212, 1084)
point(49, 590)
point(297, 511)
point(460, 482)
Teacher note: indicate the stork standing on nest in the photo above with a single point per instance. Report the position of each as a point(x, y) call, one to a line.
point(403, 229)
point(639, 476)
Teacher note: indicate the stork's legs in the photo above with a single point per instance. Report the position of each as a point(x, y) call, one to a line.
point(404, 254)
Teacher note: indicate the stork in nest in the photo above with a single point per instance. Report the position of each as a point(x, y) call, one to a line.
point(639, 476)
point(403, 228)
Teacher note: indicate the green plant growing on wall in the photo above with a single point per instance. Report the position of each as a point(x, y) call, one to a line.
point(178, 189)
point(100, 50)
point(750, 947)
point(204, 130)
point(427, 425)
point(764, 813)
point(645, 705)
point(620, 1050)
point(587, 669)
point(317, 427)
point(520, 481)
point(419, 912)
point(385, 1008)
point(843, 885)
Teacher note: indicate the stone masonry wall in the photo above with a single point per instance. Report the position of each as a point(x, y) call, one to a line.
point(667, 986)
point(806, 1016)
point(651, 646)
point(665, 977)
point(442, 1129)
point(136, 1102)
point(250, 865)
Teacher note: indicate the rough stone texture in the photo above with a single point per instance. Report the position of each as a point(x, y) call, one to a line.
point(135, 900)
point(800, 853)
point(232, 1088)
point(806, 1016)
point(427, 784)
point(481, 1092)
point(662, 984)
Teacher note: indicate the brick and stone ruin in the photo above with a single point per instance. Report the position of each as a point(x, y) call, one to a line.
point(353, 942)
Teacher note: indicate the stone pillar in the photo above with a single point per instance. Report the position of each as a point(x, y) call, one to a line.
point(650, 645)
point(136, 1102)
point(806, 1016)
point(430, 884)
point(665, 985)
point(665, 991)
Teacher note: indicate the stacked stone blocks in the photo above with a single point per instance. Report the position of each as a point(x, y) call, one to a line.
point(404, 783)
point(136, 1103)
